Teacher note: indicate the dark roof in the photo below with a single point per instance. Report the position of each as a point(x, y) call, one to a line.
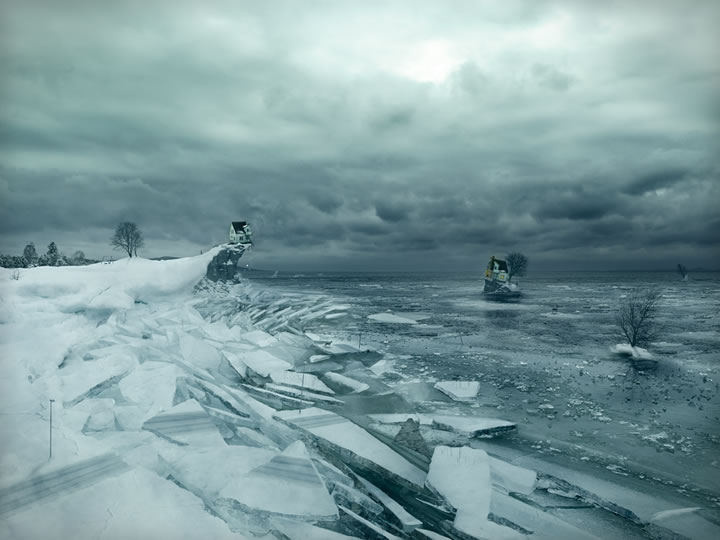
point(502, 265)
point(239, 225)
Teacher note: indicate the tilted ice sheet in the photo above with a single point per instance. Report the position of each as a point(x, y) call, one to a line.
point(470, 425)
point(462, 476)
point(134, 504)
point(341, 432)
point(151, 386)
point(263, 363)
point(459, 390)
point(287, 484)
point(187, 423)
point(301, 380)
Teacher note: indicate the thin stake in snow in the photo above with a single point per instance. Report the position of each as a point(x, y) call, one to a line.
point(51, 403)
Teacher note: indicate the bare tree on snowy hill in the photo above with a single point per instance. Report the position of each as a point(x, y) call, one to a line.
point(636, 317)
point(127, 237)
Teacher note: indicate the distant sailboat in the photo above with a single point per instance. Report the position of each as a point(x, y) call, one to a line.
point(683, 272)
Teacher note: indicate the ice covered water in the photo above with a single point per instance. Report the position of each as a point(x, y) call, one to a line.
point(525, 405)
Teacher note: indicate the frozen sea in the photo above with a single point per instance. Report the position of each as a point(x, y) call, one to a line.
point(173, 394)
point(552, 372)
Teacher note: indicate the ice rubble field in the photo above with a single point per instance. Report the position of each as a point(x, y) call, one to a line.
point(184, 409)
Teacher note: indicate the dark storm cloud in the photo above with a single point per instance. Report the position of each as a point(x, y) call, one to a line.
point(655, 180)
point(363, 133)
point(392, 212)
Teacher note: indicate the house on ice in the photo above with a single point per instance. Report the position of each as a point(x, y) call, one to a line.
point(497, 277)
point(240, 233)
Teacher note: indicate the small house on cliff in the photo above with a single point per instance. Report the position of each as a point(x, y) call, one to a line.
point(240, 233)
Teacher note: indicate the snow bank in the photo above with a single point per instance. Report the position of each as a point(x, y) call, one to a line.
point(105, 286)
point(625, 349)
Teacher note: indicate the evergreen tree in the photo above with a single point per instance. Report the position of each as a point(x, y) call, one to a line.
point(30, 254)
point(53, 255)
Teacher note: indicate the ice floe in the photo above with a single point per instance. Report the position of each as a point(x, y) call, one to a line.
point(459, 390)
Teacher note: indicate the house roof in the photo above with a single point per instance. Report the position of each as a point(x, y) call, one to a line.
point(502, 265)
point(239, 225)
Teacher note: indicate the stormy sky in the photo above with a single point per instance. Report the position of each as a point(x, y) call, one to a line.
point(366, 135)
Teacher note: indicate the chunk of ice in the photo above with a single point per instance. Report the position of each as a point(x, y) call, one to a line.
point(346, 383)
point(186, 424)
point(343, 433)
point(306, 381)
point(390, 318)
point(408, 521)
point(462, 477)
point(459, 390)
point(262, 362)
point(288, 485)
point(198, 352)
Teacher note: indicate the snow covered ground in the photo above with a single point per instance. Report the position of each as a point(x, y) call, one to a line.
point(185, 409)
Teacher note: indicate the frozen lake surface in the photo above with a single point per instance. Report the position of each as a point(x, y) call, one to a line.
point(337, 406)
point(552, 372)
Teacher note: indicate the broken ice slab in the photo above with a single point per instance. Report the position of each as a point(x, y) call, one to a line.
point(186, 424)
point(262, 362)
point(259, 338)
point(287, 485)
point(291, 348)
point(276, 400)
point(391, 319)
point(539, 523)
point(151, 386)
point(318, 358)
point(230, 418)
point(336, 348)
point(462, 476)
point(689, 522)
point(305, 395)
point(89, 379)
point(209, 470)
point(410, 437)
point(368, 528)
point(233, 361)
point(198, 352)
point(350, 497)
point(363, 448)
point(459, 390)
point(431, 535)
point(124, 505)
point(408, 521)
point(298, 530)
point(472, 426)
point(344, 384)
point(306, 381)
point(511, 478)
point(468, 425)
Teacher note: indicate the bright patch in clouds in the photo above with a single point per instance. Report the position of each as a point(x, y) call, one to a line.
point(430, 61)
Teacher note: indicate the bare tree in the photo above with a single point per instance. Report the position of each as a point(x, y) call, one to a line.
point(128, 238)
point(637, 316)
point(517, 263)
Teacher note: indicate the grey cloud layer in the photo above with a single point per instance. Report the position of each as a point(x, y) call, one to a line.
point(361, 134)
